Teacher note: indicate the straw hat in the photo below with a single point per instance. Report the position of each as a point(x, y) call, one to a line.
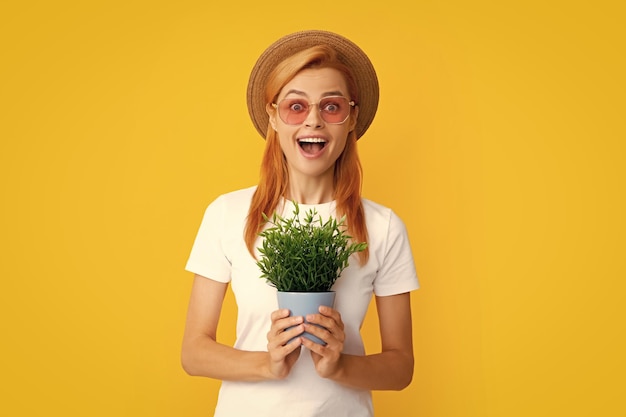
point(348, 52)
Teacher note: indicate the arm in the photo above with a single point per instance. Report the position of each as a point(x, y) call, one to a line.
point(392, 369)
point(202, 355)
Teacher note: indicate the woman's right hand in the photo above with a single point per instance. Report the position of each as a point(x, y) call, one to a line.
point(283, 355)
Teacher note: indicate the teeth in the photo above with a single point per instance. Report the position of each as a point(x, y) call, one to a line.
point(311, 140)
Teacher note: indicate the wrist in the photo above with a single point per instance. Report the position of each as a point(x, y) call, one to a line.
point(266, 367)
point(339, 370)
point(271, 370)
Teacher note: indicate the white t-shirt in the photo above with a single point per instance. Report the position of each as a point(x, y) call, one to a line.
point(220, 253)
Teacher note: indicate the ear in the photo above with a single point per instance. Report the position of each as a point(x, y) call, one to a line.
point(354, 117)
point(271, 112)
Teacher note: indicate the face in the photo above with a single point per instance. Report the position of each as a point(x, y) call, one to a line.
point(313, 146)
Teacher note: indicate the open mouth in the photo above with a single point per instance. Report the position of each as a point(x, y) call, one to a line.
point(312, 145)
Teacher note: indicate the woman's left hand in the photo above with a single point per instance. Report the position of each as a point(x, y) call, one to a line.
point(326, 358)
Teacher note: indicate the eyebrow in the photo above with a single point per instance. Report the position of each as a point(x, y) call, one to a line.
point(326, 94)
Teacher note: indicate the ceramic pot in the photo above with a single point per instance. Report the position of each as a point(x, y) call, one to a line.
point(303, 303)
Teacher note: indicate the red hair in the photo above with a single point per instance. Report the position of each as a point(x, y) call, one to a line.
point(274, 176)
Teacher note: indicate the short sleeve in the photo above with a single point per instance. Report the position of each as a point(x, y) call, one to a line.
point(397, 272)
point(208, 257)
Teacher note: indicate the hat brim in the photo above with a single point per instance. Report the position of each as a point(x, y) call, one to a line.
point(348, 52)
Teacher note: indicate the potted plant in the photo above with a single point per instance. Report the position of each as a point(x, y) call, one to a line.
point(302, 259)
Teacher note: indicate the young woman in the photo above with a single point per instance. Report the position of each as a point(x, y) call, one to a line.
point(311, 95)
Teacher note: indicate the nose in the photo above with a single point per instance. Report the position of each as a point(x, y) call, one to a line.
point(314, 118)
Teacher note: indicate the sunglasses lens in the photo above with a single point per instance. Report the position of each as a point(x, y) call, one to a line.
point(294, 111)
point(334, 109)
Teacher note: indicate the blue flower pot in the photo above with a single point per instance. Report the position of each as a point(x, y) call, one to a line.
point(303, 303)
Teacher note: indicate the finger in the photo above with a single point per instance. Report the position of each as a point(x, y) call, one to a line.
point(292, 333)
point(280, 338)
point(329, 313)
point(328, 351)
point(287, 348)
point(313, 346)
point(281, 325)
point(326, 322)
point(279, 314)
point(332, 313)
point(279, 351)
point(328, 333)
point(321, 333)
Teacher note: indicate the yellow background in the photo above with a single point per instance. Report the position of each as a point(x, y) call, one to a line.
point(499, 141)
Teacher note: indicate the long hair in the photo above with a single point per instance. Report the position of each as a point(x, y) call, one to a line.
point(274, 176)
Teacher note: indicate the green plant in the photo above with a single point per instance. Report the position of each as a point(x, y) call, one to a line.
point(305, 256)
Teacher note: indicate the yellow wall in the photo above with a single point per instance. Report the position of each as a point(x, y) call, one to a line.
point(499, 140)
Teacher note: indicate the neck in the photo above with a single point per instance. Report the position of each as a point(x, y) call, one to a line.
point(310, 190)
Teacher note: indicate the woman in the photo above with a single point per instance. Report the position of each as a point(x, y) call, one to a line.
point(311, 95)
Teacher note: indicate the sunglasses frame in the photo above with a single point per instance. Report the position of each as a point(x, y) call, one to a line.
point(351, 103)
